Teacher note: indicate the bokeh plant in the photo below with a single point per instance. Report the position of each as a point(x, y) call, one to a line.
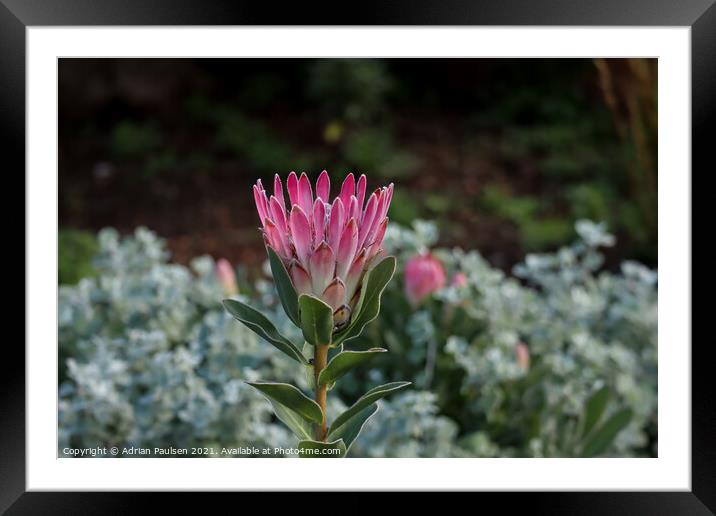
point(329, 271)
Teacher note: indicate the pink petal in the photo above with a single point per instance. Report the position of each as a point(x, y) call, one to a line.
point(347, 248)
point(261, 206)
point(278, 192)
point(373, 246)
point(300, 234)
point(319, 220)
point(382, 205)
point(360, 191)
point(279, 218)
point(305, 194)
point(377, 219)
point(381, 212)
point(323, 186)
point(292, 187)
point(355, 275)
point(275, 239)
point(321, 267)
point(368, 217)
point(277, 214)
point(347, 189)
point(336, 222)
point(387, 197)
point(300, 278)
point(335, 294)
point(370, 207)
point(390, 198)
point(353, 208)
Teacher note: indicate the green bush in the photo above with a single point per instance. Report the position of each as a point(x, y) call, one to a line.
point(537, 230)
point(374, 149)
point(354, 89)
point(75, 250)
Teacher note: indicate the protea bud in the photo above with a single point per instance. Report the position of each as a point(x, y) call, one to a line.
point(424, 274)
point(226, 276)
point(522, 355)
point(326, 245)
point(459, 280)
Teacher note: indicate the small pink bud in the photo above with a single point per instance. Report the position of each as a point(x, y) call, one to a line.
point(522, 354)
point(459, 280)
point(424, 274)
point(226, 276)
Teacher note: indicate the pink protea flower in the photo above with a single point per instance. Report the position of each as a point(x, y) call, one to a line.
point(424, 274)
point(326, 245)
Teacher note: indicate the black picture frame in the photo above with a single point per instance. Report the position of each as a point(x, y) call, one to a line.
point(17, 15)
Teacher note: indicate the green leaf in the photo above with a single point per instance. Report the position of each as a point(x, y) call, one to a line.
point(343, 362)
point(292, 419)
point(316, 320)
point(309, 373)
point(351, 428)
point(596, 405)
point(332, 352)
point(317, 449)
point(368, 306)
point(292, 398)
point(368, 398)
point(284, 286)
point(259, 324)
point(603, 437)
point(307, 351)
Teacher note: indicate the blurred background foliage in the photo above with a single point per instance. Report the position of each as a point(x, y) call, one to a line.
point(505, 155)
point(546, 346)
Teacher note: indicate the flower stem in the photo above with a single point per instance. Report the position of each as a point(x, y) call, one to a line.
point(319, 363)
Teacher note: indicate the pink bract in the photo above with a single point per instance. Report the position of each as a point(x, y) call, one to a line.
point(326, 245)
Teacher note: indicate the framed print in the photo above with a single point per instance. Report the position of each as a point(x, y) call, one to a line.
point(450, 247)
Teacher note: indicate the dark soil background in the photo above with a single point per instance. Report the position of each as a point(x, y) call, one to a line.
point(505, 154)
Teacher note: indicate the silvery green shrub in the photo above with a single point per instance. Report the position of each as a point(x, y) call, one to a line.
point(409, 426)
point(149, 357)
point(153, 360)
point(585, 331)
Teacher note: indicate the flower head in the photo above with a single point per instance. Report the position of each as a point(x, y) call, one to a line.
point(326, 245)
point(424, 274)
